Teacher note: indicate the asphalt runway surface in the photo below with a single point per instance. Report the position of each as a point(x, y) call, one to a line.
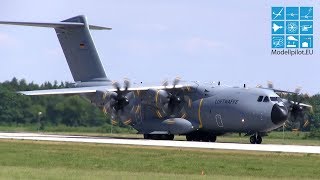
point(162, 143)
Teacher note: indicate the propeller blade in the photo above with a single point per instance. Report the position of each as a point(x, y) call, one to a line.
point(176, 81)
point(270, 84)
point(165, 83)
point(183, 113)
point(116, 85)
point(188, 100)
point(297, 90)
point(126, 84)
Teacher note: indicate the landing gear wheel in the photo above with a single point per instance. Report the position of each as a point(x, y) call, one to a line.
point(189, 137)
point(193, 137)
point(163, 137)
point(159, 136)
point(205, 139)
point(201, 136)
point(196, 137)
point(146, 136)
point(253, 139)
point(212, 138)
point(170, 136)
point(258, 140)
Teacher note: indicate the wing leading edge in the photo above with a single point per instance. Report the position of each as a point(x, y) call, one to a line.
point(59, 91)
point(93, 89)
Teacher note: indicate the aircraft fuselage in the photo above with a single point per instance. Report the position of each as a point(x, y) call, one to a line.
point(204, 108)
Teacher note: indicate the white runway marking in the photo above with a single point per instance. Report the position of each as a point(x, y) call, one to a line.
point(164, 143)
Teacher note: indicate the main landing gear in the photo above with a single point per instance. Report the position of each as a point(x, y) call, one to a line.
point(201, 136)
point(159, 136)
point(255, 139)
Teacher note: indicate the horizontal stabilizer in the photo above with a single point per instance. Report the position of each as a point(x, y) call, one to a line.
point(77, 45)
point(55, 25)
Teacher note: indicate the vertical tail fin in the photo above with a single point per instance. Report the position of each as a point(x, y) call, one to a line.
point(78, 47)
point(80, 51)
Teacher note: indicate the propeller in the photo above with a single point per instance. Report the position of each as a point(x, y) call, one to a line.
point(293, 101)
point(113, 102)
point(119, 99)
point(170, 100)
point(295, 108)
point(174, 99)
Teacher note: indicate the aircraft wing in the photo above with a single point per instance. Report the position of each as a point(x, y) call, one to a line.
point(93, 89)
point(302, 104)
point(59, 91)
point(283, 91)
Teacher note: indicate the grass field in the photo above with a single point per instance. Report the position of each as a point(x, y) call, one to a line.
point(107, 128)
point(54, 160)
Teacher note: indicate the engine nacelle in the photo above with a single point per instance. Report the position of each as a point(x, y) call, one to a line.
point(178, 126)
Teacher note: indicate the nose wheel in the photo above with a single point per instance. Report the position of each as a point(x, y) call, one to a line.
point(255, 139)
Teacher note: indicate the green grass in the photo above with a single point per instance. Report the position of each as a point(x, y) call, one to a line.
point(107, 128)
point(275, 137)
point(55, 160)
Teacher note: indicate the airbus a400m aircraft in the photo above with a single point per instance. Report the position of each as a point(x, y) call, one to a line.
point(201, 112)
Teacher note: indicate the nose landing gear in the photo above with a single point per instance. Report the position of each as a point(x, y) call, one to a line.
point(255, 139)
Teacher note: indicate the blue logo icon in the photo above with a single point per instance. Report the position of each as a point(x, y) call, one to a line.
point(277, 13)
point(306, 13)
point(277, 41)
point(292, 27)
point(277, 27)
point(292, 13)
point(306, 27)
point(306, 41)
point(292, 41)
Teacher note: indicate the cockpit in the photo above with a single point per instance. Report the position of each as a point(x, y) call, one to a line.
point(279, 112)
point(268, 99)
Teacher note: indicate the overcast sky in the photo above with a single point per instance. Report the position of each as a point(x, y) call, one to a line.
point(228, 41)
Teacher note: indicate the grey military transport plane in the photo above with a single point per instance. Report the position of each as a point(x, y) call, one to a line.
point(201, 112)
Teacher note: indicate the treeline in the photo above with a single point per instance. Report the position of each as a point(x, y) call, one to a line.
point(52, 110)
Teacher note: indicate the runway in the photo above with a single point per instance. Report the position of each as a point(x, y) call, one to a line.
point(163, 143)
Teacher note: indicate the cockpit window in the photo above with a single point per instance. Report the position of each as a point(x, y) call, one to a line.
point(276, 99)
point(273, 98)
point(260, 98)
point(266, 99)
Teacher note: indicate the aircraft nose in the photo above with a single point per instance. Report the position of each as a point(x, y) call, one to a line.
point(279, 114)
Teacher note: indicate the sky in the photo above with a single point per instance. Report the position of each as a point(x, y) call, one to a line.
point(227, 41)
